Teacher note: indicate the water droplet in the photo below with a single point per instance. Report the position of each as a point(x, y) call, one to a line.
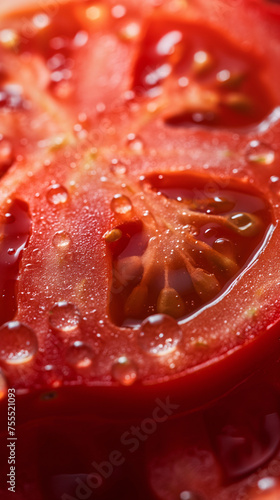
point(121, 204)
point(61, 240)
point(117, 167)
point(79, 355)
point(9, 218)
point(9, 38)
point(224, 246)
point(166, 45)
point(57, 194)
point(189, 495)
point(260, 153)
point(159, 335)
point(135, 143)
point(6, 154)
point(152, 107)
point(118, 11)
point(95, 12)
point(64, 317)
point(18, 343)
point(230, 80)
point(124, 371)
point(52, 376)
point(216, 205)
point(57, 61)
point(223, 76)
point(202, 62)
point(245, 224)
point(41, 20)
point(183, 82)
point(130, 31)
point(59, 76)
point(159, 74)
point(80, 39)
point(77, 128)
point(267, 483)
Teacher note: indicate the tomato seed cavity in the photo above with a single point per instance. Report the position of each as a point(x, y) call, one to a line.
point(190, 241)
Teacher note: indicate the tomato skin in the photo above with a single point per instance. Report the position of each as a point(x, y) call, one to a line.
point(183, 447)
point(184, 394)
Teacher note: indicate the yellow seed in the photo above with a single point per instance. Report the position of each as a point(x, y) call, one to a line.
point(130, 268)
point(112, 236)
point(245, 224)
point(136, 303)
point(223, 262)
point(238, 102)
point(56, 143)
point(230, 80)
point(202, 62)
point(225, 247)
point(82, 289)
point(205, 284)
point(215, 205)
point(170, 302)
point(200, 343)
point(251, 312)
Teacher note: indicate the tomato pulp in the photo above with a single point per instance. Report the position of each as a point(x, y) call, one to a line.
point(139, 175)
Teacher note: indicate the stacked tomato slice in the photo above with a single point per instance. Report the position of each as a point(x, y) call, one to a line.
point(139, 261)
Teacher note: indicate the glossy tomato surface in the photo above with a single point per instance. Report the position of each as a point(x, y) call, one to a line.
point(139, 236)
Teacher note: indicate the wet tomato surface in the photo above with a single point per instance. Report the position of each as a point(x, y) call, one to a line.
point(139, 248)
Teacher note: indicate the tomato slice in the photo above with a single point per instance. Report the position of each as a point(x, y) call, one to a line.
point(154, 265)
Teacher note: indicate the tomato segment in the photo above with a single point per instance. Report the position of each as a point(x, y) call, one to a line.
point(199, 78)
point(195, 234)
